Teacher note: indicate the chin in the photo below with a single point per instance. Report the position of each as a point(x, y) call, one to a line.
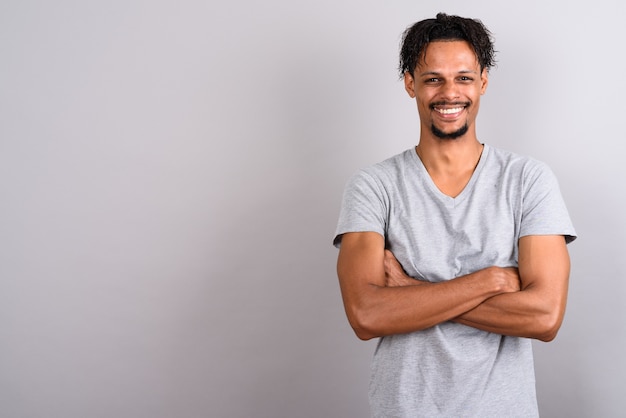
point(449, 135)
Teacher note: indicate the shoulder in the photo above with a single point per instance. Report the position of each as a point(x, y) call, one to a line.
point(386, 171)
point(509, 163)
point(507, 157)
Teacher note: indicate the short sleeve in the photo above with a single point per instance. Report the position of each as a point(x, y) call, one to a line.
point(363, 208)
point(543, 209)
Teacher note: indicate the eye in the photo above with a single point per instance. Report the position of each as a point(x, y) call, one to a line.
point(465, 78)
point(431, 80)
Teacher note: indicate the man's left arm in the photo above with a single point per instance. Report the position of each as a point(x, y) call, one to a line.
point(537, 310)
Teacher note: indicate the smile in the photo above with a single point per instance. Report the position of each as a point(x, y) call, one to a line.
point(449, 111)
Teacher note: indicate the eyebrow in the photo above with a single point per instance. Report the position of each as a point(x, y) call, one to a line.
point(437, 73)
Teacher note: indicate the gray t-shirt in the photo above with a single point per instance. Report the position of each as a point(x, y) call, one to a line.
point(453, 370)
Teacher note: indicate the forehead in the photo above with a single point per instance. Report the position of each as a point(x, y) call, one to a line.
point(448, 55)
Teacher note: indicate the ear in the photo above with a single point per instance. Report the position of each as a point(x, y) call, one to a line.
point(484, 78)
point(409, 84)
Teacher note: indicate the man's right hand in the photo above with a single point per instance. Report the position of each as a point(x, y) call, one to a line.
point(506, 278)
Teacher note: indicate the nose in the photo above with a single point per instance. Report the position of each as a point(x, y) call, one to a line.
point(449, 90)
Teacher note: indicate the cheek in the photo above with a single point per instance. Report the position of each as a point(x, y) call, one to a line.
point(423, 107)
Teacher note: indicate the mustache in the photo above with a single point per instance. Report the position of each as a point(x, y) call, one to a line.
point(452, 104)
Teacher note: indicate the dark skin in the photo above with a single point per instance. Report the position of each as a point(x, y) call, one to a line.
point(380, 299)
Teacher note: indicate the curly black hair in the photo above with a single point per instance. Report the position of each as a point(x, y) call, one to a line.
point(416, 38)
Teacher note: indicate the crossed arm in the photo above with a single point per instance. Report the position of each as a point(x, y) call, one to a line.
point(380, 299)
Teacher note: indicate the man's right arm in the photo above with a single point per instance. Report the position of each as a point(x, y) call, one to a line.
point(375, 310)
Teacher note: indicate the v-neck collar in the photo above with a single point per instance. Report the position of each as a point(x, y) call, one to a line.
point(449, 201)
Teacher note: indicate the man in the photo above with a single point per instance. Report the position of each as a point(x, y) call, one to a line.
point(453, 252)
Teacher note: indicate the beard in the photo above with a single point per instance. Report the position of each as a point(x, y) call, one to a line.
point(449, 135)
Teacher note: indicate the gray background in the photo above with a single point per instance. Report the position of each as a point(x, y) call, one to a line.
point(171, 174)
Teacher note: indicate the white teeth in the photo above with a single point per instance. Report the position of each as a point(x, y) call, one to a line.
point(449, 111)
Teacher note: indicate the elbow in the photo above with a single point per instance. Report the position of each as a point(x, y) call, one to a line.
point(547, 336)
point(361, 322)
point(363, 335)
point(548, 327)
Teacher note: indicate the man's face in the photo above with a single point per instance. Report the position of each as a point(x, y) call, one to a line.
point(447, 84)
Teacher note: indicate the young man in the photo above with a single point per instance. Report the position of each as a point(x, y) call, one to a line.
point(453, 252)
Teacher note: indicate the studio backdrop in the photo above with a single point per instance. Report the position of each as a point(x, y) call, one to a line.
point(171, 174)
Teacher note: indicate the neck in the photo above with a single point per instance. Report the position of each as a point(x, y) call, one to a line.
point(449, 157)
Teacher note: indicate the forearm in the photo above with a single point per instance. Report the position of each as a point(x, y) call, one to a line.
point(521, 314)
point(397, 310)
point(537, 310)
point(376, 309)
